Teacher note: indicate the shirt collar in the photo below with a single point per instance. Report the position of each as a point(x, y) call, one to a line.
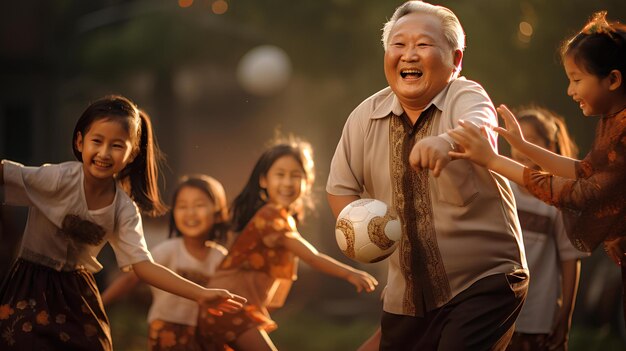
point(391, 104)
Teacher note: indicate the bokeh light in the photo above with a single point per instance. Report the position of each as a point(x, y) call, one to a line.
point(219, 7)
point(185, 3)
point(526, 28)
point(264, 70)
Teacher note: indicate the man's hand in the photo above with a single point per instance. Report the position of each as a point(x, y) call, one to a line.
point(431, 153)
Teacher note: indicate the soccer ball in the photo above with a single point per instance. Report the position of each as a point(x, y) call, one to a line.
point(366, 231)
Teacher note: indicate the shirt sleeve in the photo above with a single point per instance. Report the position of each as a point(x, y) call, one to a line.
point(346, 168)
point(128, 242)
point(470, 102)
point(589, 188)
point(27, 186)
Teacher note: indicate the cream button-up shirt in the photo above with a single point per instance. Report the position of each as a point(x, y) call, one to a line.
point(457, 228)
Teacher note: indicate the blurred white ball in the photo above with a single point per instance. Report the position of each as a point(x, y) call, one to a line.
point(366, 231)
point(264, 70)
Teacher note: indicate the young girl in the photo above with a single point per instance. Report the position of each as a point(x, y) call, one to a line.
point(198, 223)
point(49, 300)
point(591, 192)
point(262, 261)
point(545, 318)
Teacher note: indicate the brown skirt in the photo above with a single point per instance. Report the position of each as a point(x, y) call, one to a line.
point(167, 336)
point(44, 309)
point(225, 330)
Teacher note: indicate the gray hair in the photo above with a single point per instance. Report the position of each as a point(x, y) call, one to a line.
point(452, 29)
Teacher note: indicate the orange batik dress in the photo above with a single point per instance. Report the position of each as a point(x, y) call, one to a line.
point(593, 204)
point(257, 267)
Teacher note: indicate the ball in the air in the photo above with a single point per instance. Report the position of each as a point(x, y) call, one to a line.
point(264, 70)
point(366, 231)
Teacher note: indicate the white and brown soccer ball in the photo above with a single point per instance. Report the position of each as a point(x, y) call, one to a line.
point(366, 231)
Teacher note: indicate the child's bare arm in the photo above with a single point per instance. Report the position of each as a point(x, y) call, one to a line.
point(570, 270)
point(549, 161)
point(326, 264)
point(119, 287)
point(338, 202)
point(164, 279)
point(1, 174)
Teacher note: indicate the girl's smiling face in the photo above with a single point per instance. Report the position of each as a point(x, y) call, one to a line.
point(106, 149)
point(588, 90)
point(284, 181)
point(194, 212)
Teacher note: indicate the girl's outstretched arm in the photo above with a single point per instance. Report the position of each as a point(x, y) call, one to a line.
point(1, 174)
point(121, 286)
point(326, 264)
point(164, 279)
point(549, 161)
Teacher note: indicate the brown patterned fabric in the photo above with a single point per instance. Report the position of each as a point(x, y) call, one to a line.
point(421, 263)
point(166, 336)
point(258, 268)
point(44, 309)
point(224, 330)
point(593, 204)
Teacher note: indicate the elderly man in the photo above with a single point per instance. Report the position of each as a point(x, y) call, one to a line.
point(459, 277)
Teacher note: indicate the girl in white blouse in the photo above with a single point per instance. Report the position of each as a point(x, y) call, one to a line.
point(49, 300)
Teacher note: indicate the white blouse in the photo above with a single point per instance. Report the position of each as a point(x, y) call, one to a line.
point(54, 191)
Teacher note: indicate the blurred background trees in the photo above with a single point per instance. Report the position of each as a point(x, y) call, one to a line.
point(183, 62)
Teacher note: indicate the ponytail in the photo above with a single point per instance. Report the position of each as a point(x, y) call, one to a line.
point(140, 177)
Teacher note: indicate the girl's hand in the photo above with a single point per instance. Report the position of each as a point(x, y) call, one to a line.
point(614, 249)
point(513, 132)
point(362, 280)
point(218, 301)
point(474, 144)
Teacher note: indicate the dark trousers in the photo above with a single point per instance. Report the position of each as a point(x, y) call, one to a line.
point(482, 317)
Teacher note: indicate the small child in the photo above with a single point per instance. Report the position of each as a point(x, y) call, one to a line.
point(589, 192)
point(198, 224)
point(262, 261)
point(49, 300)
point(545, 319)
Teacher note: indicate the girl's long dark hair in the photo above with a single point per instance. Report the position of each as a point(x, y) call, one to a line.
point(250, 200)
point(215, 192)
point(139, 177)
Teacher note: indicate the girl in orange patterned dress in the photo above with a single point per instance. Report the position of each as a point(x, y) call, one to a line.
point(262, 261)
point(589, 192)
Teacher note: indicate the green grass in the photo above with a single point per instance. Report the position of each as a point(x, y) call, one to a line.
point(309, 328)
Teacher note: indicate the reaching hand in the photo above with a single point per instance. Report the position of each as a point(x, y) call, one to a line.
point(218, 301)
point(362, 280)
point(474, 143)
point(513, 132)
point(430, 153)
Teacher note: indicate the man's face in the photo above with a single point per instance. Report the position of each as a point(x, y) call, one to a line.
point(418, 60)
